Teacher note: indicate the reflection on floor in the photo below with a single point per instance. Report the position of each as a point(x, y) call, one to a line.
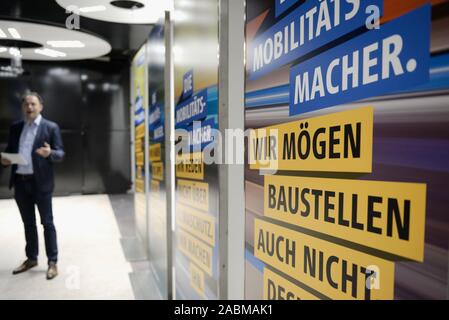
point(141, 277)
point(92, 262)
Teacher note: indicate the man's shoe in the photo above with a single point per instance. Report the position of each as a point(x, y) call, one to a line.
point(52, 271)
point(27, 265)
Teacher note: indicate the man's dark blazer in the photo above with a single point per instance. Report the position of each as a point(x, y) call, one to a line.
point(43, 168)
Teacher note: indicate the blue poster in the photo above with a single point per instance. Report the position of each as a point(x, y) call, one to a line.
point(158, 134)
point(284, 5)
point(139, 111)
point(392, 58)
point(187, 85)
point(155, 116)
point(201, 134)
point(309, 27)
point(194, 108)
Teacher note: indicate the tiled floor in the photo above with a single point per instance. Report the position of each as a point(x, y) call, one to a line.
point(92, 262)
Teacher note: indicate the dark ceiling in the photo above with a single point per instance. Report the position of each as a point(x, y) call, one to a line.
point(125, 39)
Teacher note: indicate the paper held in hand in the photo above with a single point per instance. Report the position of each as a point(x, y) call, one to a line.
point(14, 158)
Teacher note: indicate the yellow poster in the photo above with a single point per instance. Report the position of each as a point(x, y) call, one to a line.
point(197, 279)
point(155, 152)
point(157, 171)
point(190, 166)
point(193, 193)
point(275, 287)
point(387, 216)
point(333, 270)
point(196, 250)
point(200, 224)
point(339, 142)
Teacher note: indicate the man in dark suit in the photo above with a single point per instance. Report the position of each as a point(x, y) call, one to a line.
point(39, 142)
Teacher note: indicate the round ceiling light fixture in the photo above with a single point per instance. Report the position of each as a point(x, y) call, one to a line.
point(38, 41)
point(119, 11)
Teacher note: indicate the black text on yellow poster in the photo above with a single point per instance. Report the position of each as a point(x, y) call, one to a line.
point(340, 142)
point(200, 224)
point(194, 194)
point(155, 152)
point(195, 250)
point(190, 165)
point(276, 287)
point(387, 216)
point(333, 270)
point(197, 279)
point(157, 171)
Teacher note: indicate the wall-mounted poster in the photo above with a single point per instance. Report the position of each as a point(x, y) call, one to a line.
point(139, 92)
point(157, 199)
point(196, 117)
point(347, 174)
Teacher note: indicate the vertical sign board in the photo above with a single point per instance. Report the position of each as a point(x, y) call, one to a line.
point(344, 199)
point(157, 200)
point(196, 118)
point(140, 110)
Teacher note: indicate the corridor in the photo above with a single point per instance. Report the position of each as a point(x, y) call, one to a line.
point(92, 263)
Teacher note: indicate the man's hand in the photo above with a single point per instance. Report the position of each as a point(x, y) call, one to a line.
point(45, 151)
point(6, 162)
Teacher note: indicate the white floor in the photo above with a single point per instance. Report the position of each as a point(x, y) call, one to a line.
point(91, 261)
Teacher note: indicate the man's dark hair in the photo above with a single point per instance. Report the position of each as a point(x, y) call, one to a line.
point(33, 94)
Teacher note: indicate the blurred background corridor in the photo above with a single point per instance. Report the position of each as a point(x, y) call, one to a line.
point(101, 258)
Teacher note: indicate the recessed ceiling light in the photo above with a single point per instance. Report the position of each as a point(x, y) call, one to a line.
point(58, 71)
point(127, 4)
point(14, 52)
point(3, 49)
point(2, 34)
point(50, 53)
point(14, 33)
point(92, 9)
point(66, 44)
